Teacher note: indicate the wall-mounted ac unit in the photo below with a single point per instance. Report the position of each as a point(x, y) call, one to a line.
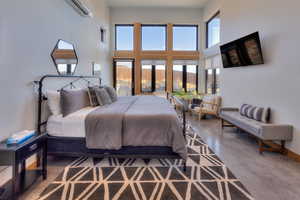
point(80, 7)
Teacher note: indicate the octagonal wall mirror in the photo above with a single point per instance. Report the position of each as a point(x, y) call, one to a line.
point(65, 58)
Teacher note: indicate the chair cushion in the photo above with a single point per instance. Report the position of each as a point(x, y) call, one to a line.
point(206, 102)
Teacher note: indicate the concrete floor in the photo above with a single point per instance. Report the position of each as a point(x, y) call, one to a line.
point(270, 176)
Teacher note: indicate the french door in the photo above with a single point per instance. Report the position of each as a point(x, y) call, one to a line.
point(185, 78)
point(153, 79)
point(124, 77)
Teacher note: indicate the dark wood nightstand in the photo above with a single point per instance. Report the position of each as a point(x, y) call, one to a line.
point(16, 155)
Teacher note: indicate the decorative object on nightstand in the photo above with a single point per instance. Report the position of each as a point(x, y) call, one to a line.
point(16, 154)
point(20, 137)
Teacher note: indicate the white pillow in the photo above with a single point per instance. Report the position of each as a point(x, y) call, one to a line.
point(54, 102)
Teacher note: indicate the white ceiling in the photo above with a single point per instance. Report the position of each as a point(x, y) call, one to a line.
point(157, 3)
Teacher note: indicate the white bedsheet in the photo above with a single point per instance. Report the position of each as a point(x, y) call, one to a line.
point(72, 125)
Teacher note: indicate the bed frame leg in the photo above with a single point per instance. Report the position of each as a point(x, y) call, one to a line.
point(184, 123)
point(94, 161)
point(184, 165)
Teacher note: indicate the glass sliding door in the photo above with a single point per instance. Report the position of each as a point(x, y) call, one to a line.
point(177, 77)
point(213, 69)
point(217, 82)
point(185, 76)
point(209, 81)
point(153, 77)
point(191, 78)
point(160, 78)
point(124, 77)
point(147, 78)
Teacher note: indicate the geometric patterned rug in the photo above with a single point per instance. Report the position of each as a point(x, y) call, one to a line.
point(206, 177)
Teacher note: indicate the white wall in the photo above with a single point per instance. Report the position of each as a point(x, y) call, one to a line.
point(276, 83)
point(29, 31)
point(210, 9)
point(154, 15)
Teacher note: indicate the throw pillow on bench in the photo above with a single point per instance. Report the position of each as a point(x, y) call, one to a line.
point(256, 113)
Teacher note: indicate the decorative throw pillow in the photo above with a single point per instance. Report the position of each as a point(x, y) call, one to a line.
point(73, 100)
point(243, 109)
point(54, 102)
point(250, 111)
point(93, 97)
point(256, 113)
point(103, 96)
point(266, 115)
point(112, 93)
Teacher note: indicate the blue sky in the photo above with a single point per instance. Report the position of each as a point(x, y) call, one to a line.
point(214, 32)
point(124, 38)
point(154, 38)
point(185, 38)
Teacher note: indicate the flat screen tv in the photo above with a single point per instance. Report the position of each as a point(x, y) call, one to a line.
point(242, 52)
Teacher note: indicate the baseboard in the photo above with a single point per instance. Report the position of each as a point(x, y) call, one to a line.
point(288, 153)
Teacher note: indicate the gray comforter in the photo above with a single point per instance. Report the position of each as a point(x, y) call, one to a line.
point(135, 121)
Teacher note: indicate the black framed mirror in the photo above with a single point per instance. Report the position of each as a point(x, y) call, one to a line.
point(65, 58)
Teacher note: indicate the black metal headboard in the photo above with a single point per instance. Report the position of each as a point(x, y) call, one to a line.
point(41, 96)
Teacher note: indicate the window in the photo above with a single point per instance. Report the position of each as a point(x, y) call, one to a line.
point(124, 37)
point(153, 76)
point(213, 31)
point(185, 37)
point(217, 77)
point(160, 78)
point(177, 77)
point(209, 74)
point(185, 76)
point(212, 80)
point(147, 78)
point(154, 37)
point(191, 78)
point(124, 77)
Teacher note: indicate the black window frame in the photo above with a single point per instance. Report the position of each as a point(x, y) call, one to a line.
point(207, 23)
point(153, 78)
point(155, 25)
point(184, 78)
point(187, 25)
point(124, 25)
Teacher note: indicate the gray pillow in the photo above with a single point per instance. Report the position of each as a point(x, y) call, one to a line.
point(92, 96)
point(103, 96)
point(73, 100)
point(112, 93)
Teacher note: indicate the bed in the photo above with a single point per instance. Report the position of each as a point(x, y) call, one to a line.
point(136, 127)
